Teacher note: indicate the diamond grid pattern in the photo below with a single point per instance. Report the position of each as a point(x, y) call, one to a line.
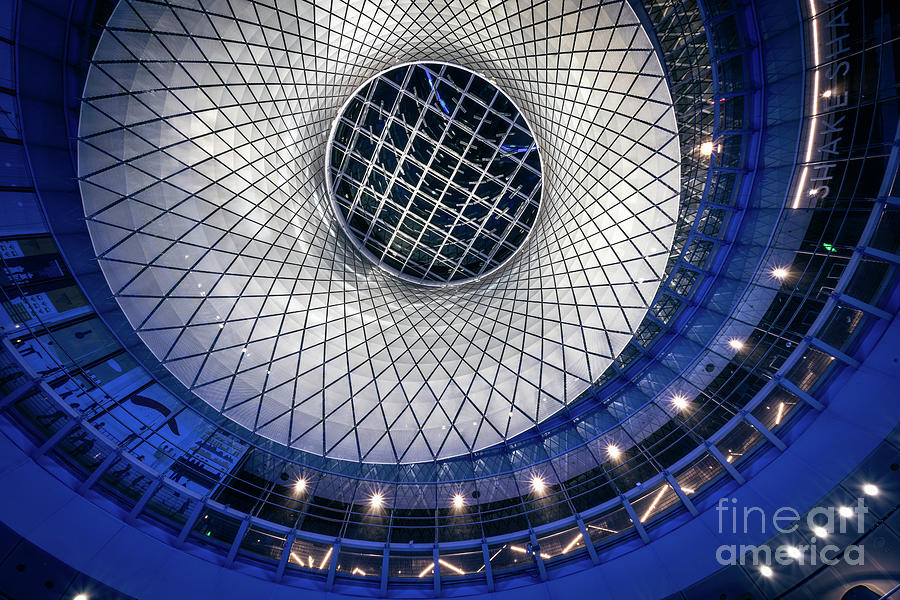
point(201, 157)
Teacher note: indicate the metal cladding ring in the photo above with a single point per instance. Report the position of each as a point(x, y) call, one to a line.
point(201, 157)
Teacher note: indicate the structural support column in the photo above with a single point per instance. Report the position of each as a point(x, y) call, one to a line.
point(538, 559)
point(586, 537)
point(144, 499)
point(803, 395)
point(724, 462)
point(767, 433)
point(488, 571)
point(682, 495)
point(830, 350)
point(638, 526)
point(881, 255)
point(864, 307)
point(332, 566)
point(102, 468)
point(236, 544)
point(385, 569)
point(191, 521)
point(56, 438)
point(18, 393)
point(436, 572)
point(285, 554)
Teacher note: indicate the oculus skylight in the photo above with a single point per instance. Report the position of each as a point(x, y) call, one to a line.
point(435, 173)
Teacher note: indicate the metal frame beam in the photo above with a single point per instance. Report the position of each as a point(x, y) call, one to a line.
point(638, 526)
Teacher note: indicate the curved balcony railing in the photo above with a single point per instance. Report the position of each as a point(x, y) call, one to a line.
point(814, 323)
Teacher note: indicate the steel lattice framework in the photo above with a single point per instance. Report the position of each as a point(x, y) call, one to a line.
point(201, 161)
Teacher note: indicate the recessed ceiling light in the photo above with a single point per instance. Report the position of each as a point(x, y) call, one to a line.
point(766, 571)
point(780, 273)
point(845, 511)
point(537, 484)
point(300, 485)
point(794, 552)
point(820, 532)
point(870, 489)
point(458, 501)
point(706, 148)
point(735, 344)
point(613, 451)
point(377, 500)
point(81, 597)
point(680, 402)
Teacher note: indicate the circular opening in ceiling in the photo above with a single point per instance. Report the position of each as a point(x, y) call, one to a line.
point(434, 173)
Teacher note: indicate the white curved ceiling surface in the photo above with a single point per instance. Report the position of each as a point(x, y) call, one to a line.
point(201, 155)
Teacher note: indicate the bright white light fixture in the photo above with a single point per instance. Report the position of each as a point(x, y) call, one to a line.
point(820, 532)
point(706, 148)
point(300, 485)
point(780, 273)
point(522, 550)
point(680, 402)
point(613, 451)
point(452, 567)
point(870, 489)
point(794, 552)
point(81, 597)
point(736, 344)
point(572, 544)
point(845, 511)
point(325, 559)
point(537, 485)
point(662, 492)
point(458, 501)
point(766, 571)
point(377, 500)
point(826, 94)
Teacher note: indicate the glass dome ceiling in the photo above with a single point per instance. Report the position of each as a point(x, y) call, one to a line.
point(764, 305)
point(435, 173)
point(208, 208)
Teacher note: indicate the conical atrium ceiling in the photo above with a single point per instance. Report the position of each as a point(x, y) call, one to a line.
point(202, 161)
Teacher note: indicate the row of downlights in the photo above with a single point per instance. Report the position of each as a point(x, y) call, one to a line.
point(377, 501)
point(538, 485)
point(821, 533)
